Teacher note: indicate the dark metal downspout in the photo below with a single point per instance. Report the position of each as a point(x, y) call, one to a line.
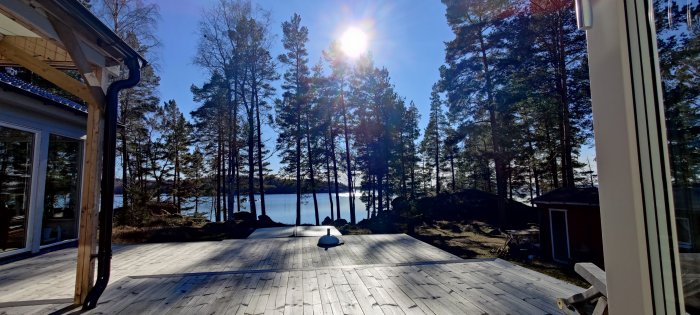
point(104, 254)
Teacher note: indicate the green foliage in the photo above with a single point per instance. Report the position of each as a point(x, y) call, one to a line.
point(518, 95)
point(291, 109)
point(432, 146)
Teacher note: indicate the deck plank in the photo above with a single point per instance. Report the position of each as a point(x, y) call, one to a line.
point(370, 274)
point(295, 296)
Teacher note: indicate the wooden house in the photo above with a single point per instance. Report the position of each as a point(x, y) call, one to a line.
point(47, 37)
point(570, 229)
point(41, 153)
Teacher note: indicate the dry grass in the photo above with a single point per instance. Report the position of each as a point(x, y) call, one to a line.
point(460, 239)
point(180, 229)
point(478, 240)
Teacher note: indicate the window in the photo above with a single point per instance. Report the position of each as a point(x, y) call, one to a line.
point(16, 163)
point(61, 196)
point(678, 42)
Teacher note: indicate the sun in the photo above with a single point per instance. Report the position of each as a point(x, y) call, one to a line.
point(353, 42)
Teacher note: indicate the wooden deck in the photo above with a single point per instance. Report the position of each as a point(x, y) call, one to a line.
point(370, 274)
point(298, 231)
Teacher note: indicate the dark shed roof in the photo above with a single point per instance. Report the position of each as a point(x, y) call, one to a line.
point(570, 196)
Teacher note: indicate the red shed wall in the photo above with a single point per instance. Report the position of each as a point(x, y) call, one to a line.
point(585, 234)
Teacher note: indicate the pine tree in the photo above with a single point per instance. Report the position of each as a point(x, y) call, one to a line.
point(176, 134)
point(470, 77)
point(135, 22)
point(433, 137)
point(210, 126)
point(410, 134)
point(194, 170)
point(561, 49)
point(256, 62)
point(296, 87)
point(340, 72)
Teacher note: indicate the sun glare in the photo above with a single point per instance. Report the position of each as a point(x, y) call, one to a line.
point(353, 42)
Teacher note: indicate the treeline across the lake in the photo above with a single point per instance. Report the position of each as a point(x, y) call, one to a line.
point(273, 185)
point(510, 114)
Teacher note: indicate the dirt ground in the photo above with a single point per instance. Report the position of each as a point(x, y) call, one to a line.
point(180, 229)
point(478, 240)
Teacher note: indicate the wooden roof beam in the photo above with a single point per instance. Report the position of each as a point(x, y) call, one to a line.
point(92, 76)
point(57, 77)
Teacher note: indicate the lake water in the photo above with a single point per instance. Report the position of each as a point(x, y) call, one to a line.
point(282, 207)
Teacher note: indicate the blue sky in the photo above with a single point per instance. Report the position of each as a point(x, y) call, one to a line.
point(406, 36)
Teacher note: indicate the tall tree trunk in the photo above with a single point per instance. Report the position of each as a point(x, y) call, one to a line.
point(261, 179)
point(177, 182)
point(381, 192)
point(565, 124)
point(196, 204)
point(531, 186)
point(224, 186)
point(501, 183)
point(328, 180)
point(509, 171)
point(335, 177)
point(386, 191)
point(373, 200)
point(347, 157)
point(452, 170)
point(310, 160)
point(237, 178)
point(251, 164)
point(232, 99)
point(437, 153)
point(230, 177)
point(218, 178)
point(552, 158)
point(250, 111)
point(413, 180)
point(402, 174)
point(533, 167)
point(298, 159)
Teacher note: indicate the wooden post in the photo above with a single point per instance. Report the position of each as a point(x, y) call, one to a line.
point(96, 80)
point(89, 207)
point(90, 204)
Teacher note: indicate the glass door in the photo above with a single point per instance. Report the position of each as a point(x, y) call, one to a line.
point(61, 193)
point(16, 164)
point(678, 40)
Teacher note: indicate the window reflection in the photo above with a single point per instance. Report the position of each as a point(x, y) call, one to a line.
point(16, 154)
point(61, 199)
point(679, 57)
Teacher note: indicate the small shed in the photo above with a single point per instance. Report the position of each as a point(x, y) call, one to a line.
point(570, 228)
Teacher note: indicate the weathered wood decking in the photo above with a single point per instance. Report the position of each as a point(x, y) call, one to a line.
point(390, 274)
point(299, 231)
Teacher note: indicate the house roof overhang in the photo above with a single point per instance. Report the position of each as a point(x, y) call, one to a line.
point(36, 26)
point(48, 36)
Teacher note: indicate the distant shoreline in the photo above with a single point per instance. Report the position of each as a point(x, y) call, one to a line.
point(357, 194)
